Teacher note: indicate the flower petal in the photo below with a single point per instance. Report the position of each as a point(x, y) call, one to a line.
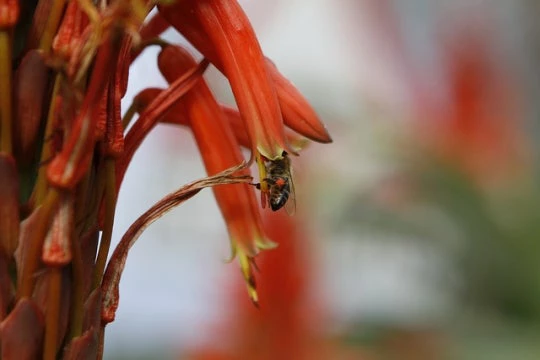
point(296, 111)
point(220, 150)
point(238, 50)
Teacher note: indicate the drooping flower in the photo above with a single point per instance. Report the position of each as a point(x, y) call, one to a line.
point(220, 30)
point(220, 150)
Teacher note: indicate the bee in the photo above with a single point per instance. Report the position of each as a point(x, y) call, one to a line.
point(280, 184)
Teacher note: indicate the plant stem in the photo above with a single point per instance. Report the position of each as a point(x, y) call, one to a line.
point(53, 21)
point(40, 189)
point(52, 316)
point(5, 93)
point(101, 342)
point(77, 295)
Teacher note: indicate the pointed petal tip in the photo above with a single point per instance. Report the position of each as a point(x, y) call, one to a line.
point(326, 138)
point(266, 244)
point(232, 255)
point(253, 296)
point(320, 135)
point(255, 303)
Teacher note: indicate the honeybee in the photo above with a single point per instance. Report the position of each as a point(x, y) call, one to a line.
point(280, 184)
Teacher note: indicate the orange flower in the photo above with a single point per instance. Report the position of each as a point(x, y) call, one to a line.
point(222, 32)
point(220, 150)
point(237, 49)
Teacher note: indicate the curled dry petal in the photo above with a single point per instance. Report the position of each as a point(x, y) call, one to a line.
point(21, 333)
point(57, 245)
point(296, 110)
point(115, 267)
point(114, 134)
point(70, 165)
point(9, 205)
point(109, 122)
point(239, 52)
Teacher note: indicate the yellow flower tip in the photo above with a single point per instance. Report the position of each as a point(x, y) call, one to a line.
point(254, 297)
point(276, 152)
point(299, 144)
point(265, 244)
point(232, 255)
point(245, 267)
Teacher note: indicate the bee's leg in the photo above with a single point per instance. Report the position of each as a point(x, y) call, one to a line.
point(266, 180)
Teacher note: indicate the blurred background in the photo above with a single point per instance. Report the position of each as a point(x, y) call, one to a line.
point(417, 231)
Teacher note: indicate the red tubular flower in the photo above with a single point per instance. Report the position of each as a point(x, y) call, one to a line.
point(238, 50)
point(295, 109)
point(178, 116)
point(220, 151)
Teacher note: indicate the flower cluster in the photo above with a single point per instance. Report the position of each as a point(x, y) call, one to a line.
point(64, 150)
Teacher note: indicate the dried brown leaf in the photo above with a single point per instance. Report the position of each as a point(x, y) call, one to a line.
point(114, 270)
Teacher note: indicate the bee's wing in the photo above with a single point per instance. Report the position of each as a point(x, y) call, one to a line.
point(290, 205)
